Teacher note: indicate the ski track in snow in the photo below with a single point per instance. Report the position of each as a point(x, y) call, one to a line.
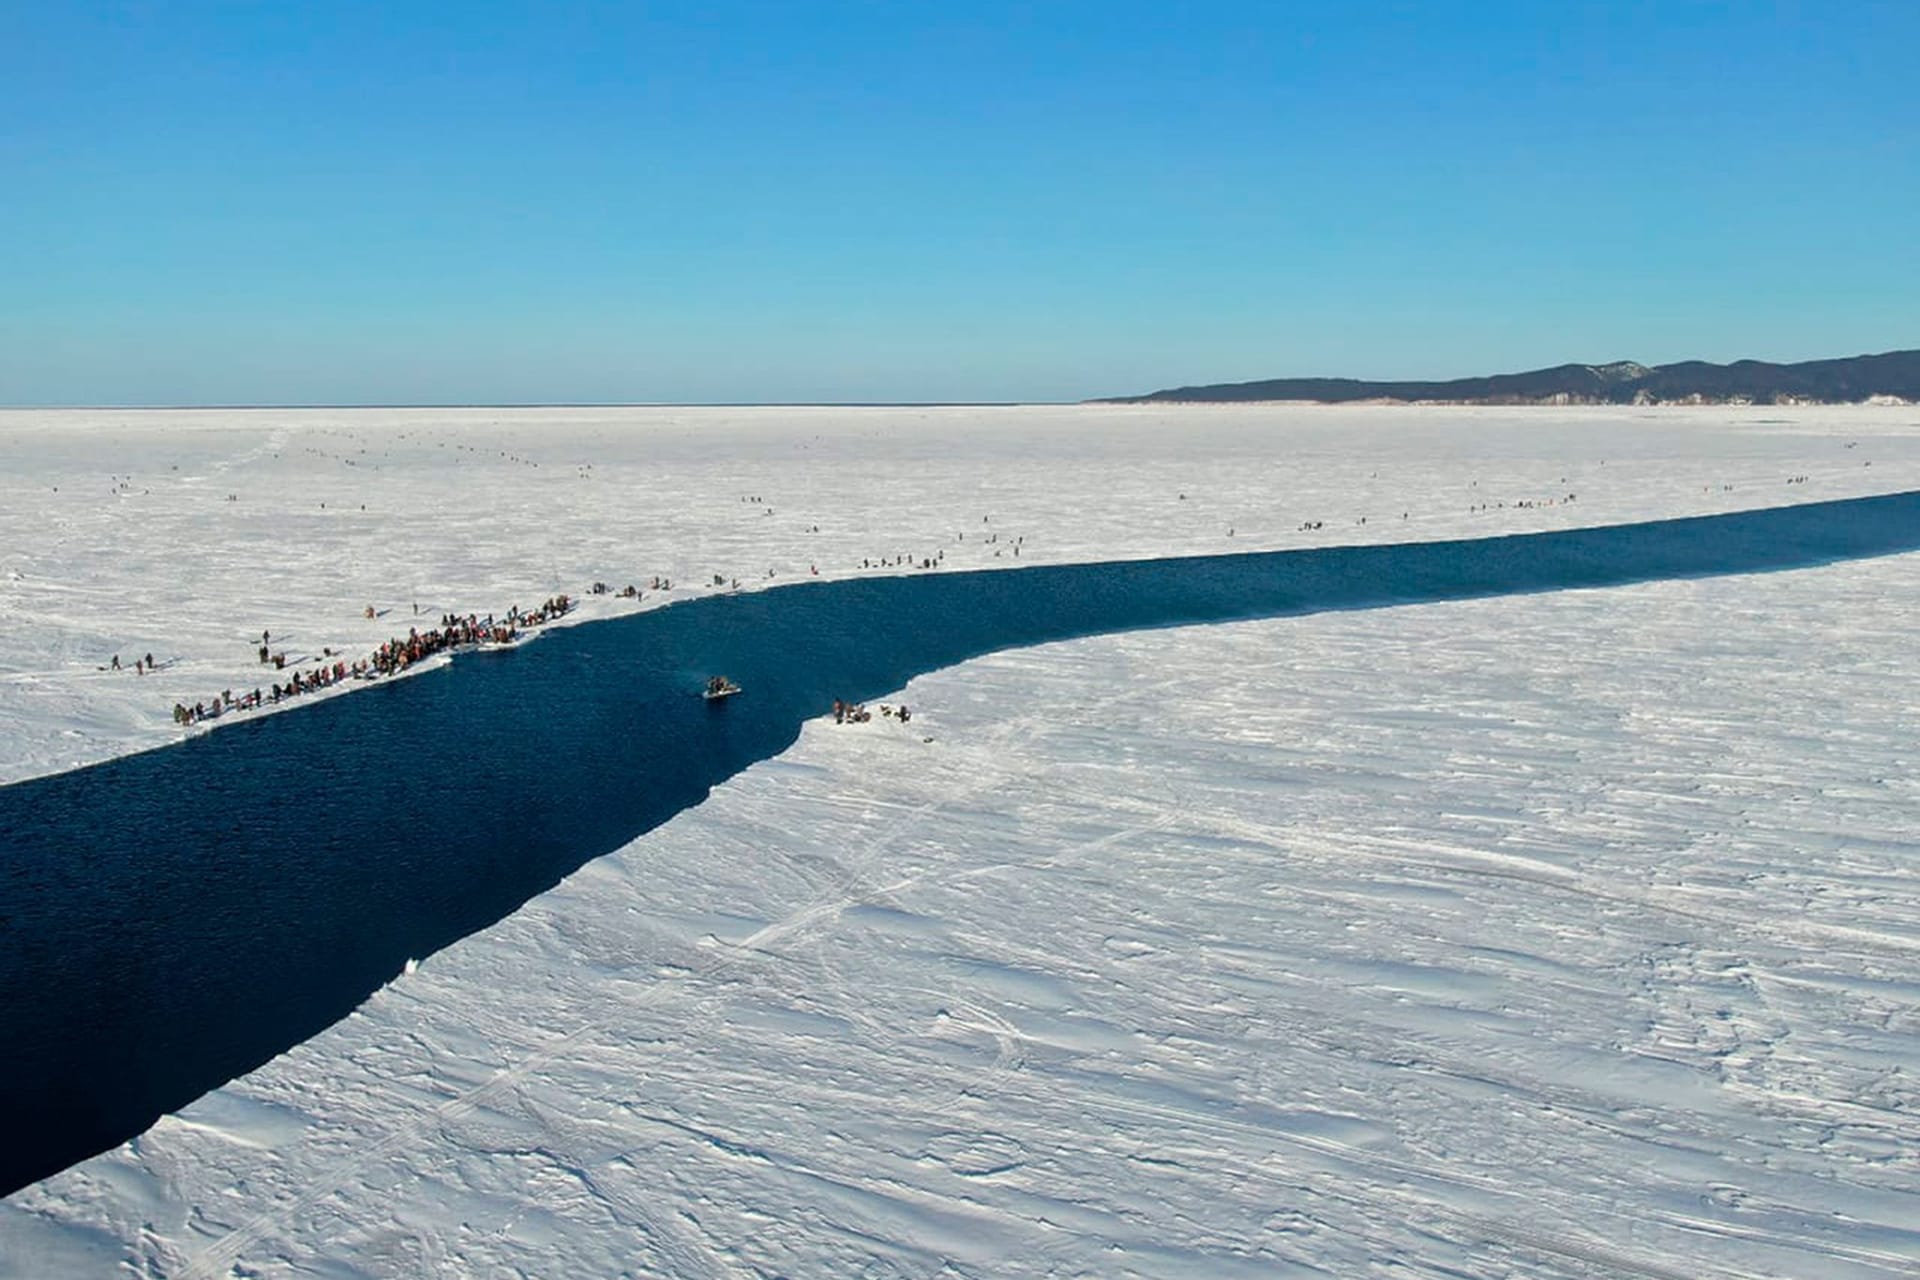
point(1557, 935)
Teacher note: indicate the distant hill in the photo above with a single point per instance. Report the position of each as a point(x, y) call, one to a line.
point(1894, 374)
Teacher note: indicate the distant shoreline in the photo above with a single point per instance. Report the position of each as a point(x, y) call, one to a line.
point(1122, 402)
point(1388, 402)
point(1891, 377)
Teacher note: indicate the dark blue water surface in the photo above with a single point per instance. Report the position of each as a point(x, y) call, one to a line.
point(173, 919)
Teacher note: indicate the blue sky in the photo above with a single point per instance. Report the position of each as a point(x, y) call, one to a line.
point(494, 203)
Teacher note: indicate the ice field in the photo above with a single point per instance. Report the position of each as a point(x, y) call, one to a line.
point(185, 534)
point(1569, 934)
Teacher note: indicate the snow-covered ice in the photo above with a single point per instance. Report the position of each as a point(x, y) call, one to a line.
point(1573, 934)
point(1557, 935)
point(186, 533)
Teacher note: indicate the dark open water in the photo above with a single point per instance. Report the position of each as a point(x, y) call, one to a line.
point(173, 919)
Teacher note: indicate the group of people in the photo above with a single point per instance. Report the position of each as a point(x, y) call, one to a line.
point(394, 656)
point(857, 713)
point(184, 714)
point(1525, 504)
point(397, 655)
point(325, 677)
point(933, 561)
point(548, 610)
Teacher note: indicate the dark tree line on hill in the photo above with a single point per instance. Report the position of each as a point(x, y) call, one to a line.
point(1847, 380)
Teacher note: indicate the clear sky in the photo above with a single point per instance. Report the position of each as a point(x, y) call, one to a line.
point(724, 201)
